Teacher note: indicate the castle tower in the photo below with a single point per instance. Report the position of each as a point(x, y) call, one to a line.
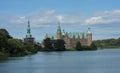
point(29, 38)
point(59, 33)
point(28, 35)
point(89, 37)
point(46, 36)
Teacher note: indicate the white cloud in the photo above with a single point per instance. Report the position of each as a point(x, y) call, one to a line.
point(106, 17)
point(60, 17)
point(49, 12)
point(94, 20)
point(18, 20)
point(47, 18)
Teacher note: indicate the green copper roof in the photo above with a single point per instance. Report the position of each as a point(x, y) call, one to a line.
point(85, 36)
point(89, 31)
point(63, 32)
point(28, 35)
point(59, 29)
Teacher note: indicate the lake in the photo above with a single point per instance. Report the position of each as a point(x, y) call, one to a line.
point(100, 61)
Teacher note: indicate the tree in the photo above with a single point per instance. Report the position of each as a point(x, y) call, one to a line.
point(5, 33)
point(48, 45)
point(59, 45)
point(78, 46)
point(4, 36)
point(29, 48)
point(93, 46)
point(15, 46)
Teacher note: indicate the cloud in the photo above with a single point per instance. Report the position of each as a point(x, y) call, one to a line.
point(51, 17)
point(18, 20)
point(105, 23)
point(46, 19)
point(94, 20)
point(60, 18)
point(49, 12)
point(105, 17)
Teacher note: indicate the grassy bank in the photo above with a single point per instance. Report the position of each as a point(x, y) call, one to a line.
point(3, 56)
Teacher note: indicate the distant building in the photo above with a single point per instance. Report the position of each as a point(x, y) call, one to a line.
point(72, 38)
point(29, 39)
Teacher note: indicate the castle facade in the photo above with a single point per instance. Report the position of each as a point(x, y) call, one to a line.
point(72, 38)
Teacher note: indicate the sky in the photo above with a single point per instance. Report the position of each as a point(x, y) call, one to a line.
point(102, 16)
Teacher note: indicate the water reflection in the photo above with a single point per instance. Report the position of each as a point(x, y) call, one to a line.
point(102, 61)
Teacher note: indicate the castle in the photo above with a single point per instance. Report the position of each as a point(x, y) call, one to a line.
point(72, 38)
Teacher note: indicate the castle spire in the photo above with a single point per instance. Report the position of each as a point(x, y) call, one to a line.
point(46, 36)
point(59, 33)
point(28, 35)
point(89, 30)
point(59, 28)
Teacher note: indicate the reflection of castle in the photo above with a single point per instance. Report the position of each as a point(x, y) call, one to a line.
point(72, 38)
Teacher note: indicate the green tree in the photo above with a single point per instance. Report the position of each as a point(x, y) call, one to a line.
point(29, 48)
point(15, 46)
point(5, 32)
point(4, 36)
point(37, 46)
point(48, 45)
point(93, 46)
point(60, 45)
point(78, 46)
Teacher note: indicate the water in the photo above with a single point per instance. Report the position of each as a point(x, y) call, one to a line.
point(101, 61)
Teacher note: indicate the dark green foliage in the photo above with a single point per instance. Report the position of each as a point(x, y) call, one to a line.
point(3, 56)
point(78, 46)
point(108, 43)
point(5, 33)
point(38, 47)
point(15, 47)
point(60, 45)
point(93, 46)
point(48, 45)
point(54, 45)
point(84, 48)
point(4, 36)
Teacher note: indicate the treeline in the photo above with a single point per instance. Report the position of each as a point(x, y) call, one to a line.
point(10, 46)
point(80, 47)
point(53, 45)
point(59, 45)
point(108, 43)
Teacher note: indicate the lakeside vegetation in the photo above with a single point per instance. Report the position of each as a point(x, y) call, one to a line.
point(59, 45)
point(107, 43)
point(10, 46)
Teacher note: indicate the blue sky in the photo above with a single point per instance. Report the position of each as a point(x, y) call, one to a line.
point(103, 16)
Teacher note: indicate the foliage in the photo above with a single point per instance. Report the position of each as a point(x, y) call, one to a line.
point(4, 36)
point(3, 56)
point(93, 46)
point(70, 49)
point(78, 46)
point(108, 43)
point(54, 45)
point(15, 47)
point(48, 45)
point(60, 45)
